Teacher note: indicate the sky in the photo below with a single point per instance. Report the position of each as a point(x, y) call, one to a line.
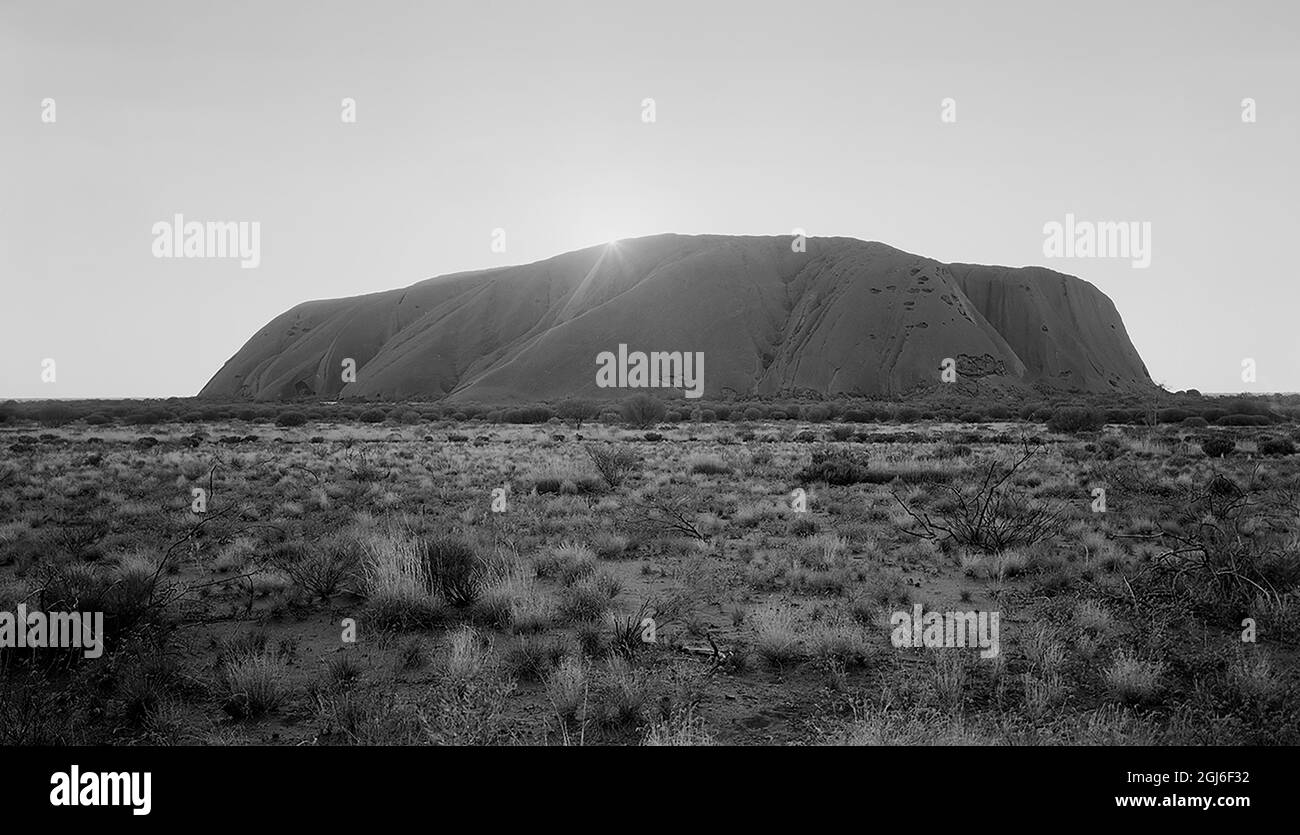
point(532, 118)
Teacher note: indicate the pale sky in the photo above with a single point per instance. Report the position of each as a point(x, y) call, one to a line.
point(527, 116)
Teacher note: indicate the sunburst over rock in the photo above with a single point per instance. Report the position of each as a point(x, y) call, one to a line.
point(843, 317)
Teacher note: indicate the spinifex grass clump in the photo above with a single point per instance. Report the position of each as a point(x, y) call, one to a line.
point(776, 636)
point(453, 570)
point(128, 594)
point(251, 683)
point(1134, 680)
point(566, 687)
point(683, 728)
point(837, 467)
point(466, 705)
point(566, 481)
point(399, 588)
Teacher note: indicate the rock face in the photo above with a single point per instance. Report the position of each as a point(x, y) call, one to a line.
point(844, 317)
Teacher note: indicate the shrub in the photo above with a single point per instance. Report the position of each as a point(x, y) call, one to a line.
point(841, 432)
point(372, 416)
point(577, 411)
point(1195, 422)
point(1218, 447)
point(1277, 446)
point(753, 413)
point(529, 414)
point(1233, 540)
point(1074, 419)
point(613, 463)
point(907, 414)
point(148, 417)
point(642, 410)
point(321, 571)
point(1243, 420)
point(993, 513)
point(54, 414)
point(290, 419)
point(815, 413)
point(1246, 406)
